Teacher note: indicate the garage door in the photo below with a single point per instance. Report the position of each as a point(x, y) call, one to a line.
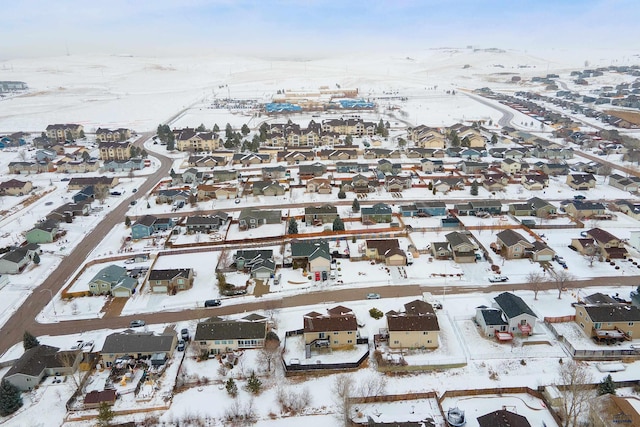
point(121, 293)
point(159, 289)
point(545, 257)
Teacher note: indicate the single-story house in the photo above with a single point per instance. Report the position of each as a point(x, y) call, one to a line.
point(40, 361)
point(216, 336)
point(138, 345)
point(113, 280)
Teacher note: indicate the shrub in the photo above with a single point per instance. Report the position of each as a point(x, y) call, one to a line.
point(375, 313)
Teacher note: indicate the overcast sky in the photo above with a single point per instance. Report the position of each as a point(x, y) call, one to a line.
point(309, 27)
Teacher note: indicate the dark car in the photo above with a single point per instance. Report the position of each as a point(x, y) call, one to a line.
point(184, 334)
point(212, 303)
point(116, 193)
point(181, 345)
point(137, 323)
point(133, 202)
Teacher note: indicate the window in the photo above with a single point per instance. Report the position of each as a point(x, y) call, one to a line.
point(630, 323)
point(349, 341)
point(428, 341)
point(425, 333)
point(351, 332)
point(396, 342)
point(217, 342)
point(335, 333)
point(335, 342)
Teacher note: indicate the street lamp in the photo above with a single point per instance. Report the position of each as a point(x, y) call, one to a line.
point(52, 301)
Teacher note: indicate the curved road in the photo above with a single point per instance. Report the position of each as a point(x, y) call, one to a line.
point(24, 316)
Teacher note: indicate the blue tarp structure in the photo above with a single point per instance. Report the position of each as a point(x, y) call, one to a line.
point(356, 103)
point(281, 107)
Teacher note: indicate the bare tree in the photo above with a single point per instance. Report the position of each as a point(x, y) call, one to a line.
point(373, 385)
point(269, 353)
point(68, 360)
point(101, 193)
point(574, 385)
point(535, 280)
point(591, 253)
point(342, 390)
point(561, 278)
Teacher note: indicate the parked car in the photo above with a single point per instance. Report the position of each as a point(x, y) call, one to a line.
point(498, 278)
point(373, 296)
point(184, 334)
point(133, 202)
point(134, 190)
point(212, 303)
point(116, 193)
point(137, 323)
point(181, 345)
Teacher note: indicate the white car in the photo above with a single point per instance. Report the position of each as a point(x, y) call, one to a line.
point(373, 296)
point(498, 278)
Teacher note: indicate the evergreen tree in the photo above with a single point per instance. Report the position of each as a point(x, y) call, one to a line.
point(228, 131)
point(29, 341)
point(10, 399)
point(144, 154)
point(474, 188)
point(231, 387)
point(348, 140)
point(86, 156)
point(36, 258)
point(216, 128)
point(105, 414)
point(465, 142)
point(402, 142)
point(494, 139)
point(380, 128)
point(342, 194)
point(455, 140)
point(245, 130)
point(293, 226)
point(127, 221)
point(264, 128)
point(355, 206)
point(171, 141)
point(606, 386)
point(254, 385)
point(201, 128)
point(338, 224)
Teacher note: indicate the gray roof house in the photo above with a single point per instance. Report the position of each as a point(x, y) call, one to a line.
point(14, 261)
point(42, 360)
point(253, 218)
point(258, 262)
point(324, 214)
point(113, 280)
point(518, 314)
point(137, 344)
point(491, 320)
point(312, 255)
point(215, 336)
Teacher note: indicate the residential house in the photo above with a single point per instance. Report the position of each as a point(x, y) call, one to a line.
point(553, 169)
point(222, 175)
point(416, 327)
point(27, 168)
point(68, 211)
point(87, 194)
point(16, 139)
point(351, 167)
point(218, 336)
point(387, 250)
point(115, 150)
point(610, 246)
point(319, 185)
point(113, 280)
point(39, 362)
point(492, 185)
point(258, 262)
point(395, 184)
point(295, 157)
point(324, 214)
point(267, 188)
point(253, 218)
point(143, 227)
point(535, 206)
point(471, 154)
point(511, 244)
point(14, 187)
point(541, 252)
point(108, 135)
point(170, 281)
point(630, 184)
point(360, 184)
point(479, 207)
point(444, 185)
point(248, 159)
point(471, 167)
point(64, 132)
point(608, 320)
point(584, 209)
point(431, 208)
point(491, 320)
point(314, 170)
point(98, 182)
point(338, 155)
point(431, 165)
point(273, 172)
point(378, 213)
point(609, 410)
point(206, 161)
point(311, 255)
point(128, 165)
point(43, 232)
point(79, 165)
point(386, 167)
point(503, 418)
point(461, 247)
point(205, 224)
point(173, 196)
point(518, 315)
point(629, 207)
point(511, 166)
point(582, 181)
point(534, 182)
point(45, 155)
point(338, 329)
point(94, 399)
point(138, 345)
point(441, 250)
point(220, 192)
point(14, 261)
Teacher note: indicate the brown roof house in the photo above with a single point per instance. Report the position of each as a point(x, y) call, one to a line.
point(95, 398)
point(503, 418)
point(14, 187)
point(512, 244)
point(337, 329)
point(610, 410)
point(387, 250)
point(610, 246)
point(583, 181)
point(416, 327)
point(170, 281)
point(320, 214)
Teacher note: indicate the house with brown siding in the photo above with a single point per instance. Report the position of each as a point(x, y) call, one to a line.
point(337, 329)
